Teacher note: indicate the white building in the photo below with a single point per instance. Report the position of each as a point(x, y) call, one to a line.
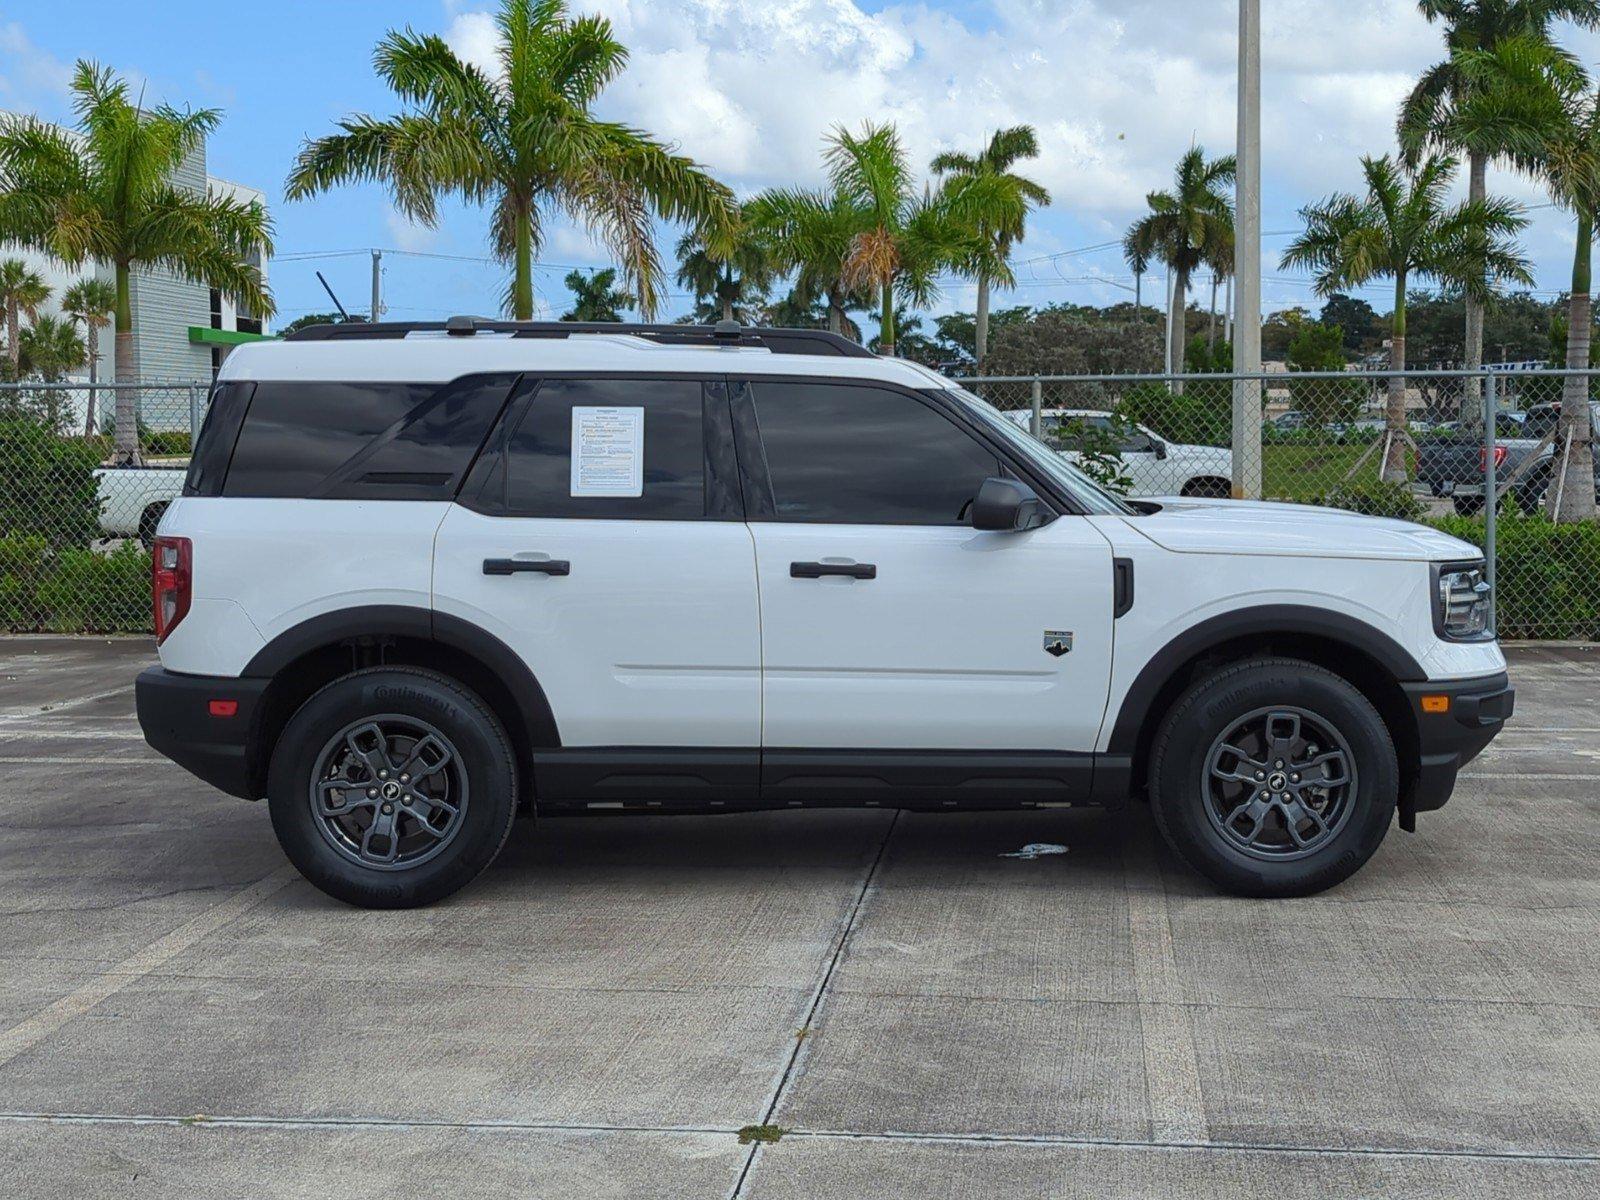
point(181, 330)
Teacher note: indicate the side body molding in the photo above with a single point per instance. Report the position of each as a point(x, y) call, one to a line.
point(1263, 621)
point(377, 622)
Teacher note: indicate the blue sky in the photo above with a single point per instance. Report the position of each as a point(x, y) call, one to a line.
point(1117, 89)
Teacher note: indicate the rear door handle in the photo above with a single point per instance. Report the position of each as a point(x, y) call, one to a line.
point(816, 570)
point(542, 566)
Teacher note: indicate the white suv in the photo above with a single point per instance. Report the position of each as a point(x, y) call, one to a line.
point(425, 577)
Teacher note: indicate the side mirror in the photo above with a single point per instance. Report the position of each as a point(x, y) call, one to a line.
point(1007, 505)
point(1159, 447)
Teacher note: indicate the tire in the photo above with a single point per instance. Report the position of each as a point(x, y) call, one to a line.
point(1209, 487)
point(1530, 495)
point(148, 521)
point(445, 823)
point(1467, 506)
point(1336, 829)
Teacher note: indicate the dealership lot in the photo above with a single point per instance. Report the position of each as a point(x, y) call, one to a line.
point(922, 1015)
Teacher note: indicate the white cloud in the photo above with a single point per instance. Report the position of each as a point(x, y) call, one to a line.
point(407, 234)
point(1116, 88)
point(30, 77)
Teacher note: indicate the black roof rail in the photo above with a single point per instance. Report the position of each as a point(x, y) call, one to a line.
point(724, 333)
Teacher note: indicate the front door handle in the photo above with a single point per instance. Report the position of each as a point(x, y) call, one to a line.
point(816, 570)
point(510, 566)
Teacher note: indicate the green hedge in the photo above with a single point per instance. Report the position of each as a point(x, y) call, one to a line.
point(72, 589)
point(1547, 577)
point(48, 488)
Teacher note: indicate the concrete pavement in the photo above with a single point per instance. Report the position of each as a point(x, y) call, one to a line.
point(604, 1010)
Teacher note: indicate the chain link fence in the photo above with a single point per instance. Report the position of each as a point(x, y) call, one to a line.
point(85, 473)
point(1327, 438)
point(76, 515)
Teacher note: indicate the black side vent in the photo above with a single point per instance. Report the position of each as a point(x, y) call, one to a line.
point(1122, 586)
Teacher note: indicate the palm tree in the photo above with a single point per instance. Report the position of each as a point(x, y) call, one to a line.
point(732, 282)
point(90, 303)
point(810, 233)
point(523, 140)
point(595, 296)
point(1535, 101)
point(1219, 259)
point(1002, 214)
point(1184, 229)
point(22, 291)
point(906, 236)
point(1427, 116)
point(106, 195)
point(1402, 229)
point(51, 347)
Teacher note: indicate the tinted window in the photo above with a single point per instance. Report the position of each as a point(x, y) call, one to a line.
point(866, 456)
point(396, 441)
point(208, 464)
point(535, 476)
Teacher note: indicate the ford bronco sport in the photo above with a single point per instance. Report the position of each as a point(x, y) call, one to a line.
point(425, 577)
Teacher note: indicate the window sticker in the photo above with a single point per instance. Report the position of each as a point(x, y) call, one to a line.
point(607, 451)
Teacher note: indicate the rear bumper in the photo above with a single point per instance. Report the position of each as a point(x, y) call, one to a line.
point(175, 715)
point(1448, 740)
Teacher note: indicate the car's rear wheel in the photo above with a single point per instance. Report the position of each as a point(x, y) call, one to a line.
point(1467, 506)
point(1274, 778)
point(1209, 487)
point(392, 787)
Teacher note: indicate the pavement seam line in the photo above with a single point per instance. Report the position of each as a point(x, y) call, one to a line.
point(1001, 1139)
point(31, 1031)
point(817, 997)
point(29, 714)
point(1166, 1031)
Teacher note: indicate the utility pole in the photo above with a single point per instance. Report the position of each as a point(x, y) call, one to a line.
point(377, 286)
point(1247, 261)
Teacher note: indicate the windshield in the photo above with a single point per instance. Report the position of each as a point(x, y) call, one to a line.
point(1088, 495)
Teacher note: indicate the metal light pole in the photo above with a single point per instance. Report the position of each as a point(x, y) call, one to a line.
point(1247, 261)
point(376, 311)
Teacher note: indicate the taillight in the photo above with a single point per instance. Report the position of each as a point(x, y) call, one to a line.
point(1483, 457)
point(171, 580)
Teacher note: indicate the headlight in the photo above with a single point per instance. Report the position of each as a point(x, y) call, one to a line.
point(1461, 603)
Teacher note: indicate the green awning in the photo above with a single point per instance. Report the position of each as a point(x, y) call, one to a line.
point(207, 336)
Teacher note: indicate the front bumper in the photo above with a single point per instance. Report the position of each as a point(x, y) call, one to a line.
point(1475, 710)
point(175, 713)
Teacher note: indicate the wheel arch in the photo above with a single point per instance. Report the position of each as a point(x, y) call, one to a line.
point(1367, 658)
point(307, 656)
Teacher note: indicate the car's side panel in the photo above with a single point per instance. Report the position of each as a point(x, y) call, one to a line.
point(283, 562)
point(945, 648)
point(651, 639)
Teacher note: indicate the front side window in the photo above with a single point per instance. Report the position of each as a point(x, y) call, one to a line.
point(619, 448)
point(843, 454)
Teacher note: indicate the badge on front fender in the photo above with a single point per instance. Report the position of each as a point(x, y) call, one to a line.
point(1057, 642)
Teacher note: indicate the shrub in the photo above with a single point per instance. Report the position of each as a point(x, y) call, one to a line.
point(1373, 498)
point(50, 489)
point(1098, 451)
point(1545, 575)
point(73, 589)
point(171, 443)
point(1201, 415)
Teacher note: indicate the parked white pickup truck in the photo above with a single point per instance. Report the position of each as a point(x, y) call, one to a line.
point(1155, 466)
point(132, 499)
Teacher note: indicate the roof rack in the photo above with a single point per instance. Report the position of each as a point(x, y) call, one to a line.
point(724, 333)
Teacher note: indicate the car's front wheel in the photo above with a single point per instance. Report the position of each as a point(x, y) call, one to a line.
point(1274, 777)
point(392, 787)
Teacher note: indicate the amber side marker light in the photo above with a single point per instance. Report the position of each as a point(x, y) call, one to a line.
point(1436, 704)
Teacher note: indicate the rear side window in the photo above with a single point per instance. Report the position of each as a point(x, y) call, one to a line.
point(363, 441)
point(640, 452)
point(208, 464)
point(847, 455)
